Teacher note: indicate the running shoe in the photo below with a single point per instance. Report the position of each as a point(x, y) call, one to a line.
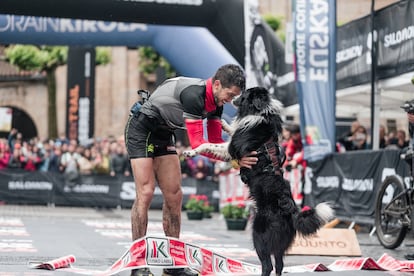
point(142, 272)
point(179, 272)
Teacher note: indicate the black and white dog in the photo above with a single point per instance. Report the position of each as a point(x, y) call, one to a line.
point(257, 127)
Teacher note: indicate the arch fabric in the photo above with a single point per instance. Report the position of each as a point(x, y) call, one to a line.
point(192, 51)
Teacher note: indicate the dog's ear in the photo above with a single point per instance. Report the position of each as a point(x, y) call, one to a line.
point(260, 102)
point(257, 103)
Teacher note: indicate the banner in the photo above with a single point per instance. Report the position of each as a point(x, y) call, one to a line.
point(165, 252)
point(81, 94)
point(18, 186)
point(264, 61)
point(351, 181)
point(315, 49)
point(394, 29)
point(151, 251)
point(353, 57)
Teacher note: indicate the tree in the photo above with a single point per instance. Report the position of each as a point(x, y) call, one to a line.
point(150, 60)
point(275, 23)
point(47, 59)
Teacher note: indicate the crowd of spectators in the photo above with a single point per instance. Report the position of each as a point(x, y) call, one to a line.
point(106, 156)
point(357, 138)
point(100, 156)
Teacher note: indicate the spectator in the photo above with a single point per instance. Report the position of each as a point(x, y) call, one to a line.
point(30, 158)
point(346, 140)
point(14, 137)
point(285, 137)
point(382, 136)
point(47, 152)
point(401, 140)
point(15, 158)
point(55, 160)
point(62, 139)
point(186, 164)
point(4, 156)
point(119, 162)
point(86, 166)
point(69, 163)
point(201, 169)
point(294, 149)
point(359, 139)
point(102, 161)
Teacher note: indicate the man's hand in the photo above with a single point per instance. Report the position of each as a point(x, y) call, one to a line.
point(249, 160)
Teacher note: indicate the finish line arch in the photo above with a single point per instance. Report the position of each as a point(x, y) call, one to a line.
point(237, 24)
point(193, 51)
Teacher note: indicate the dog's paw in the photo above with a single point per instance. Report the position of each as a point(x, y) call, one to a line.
point(190, 153)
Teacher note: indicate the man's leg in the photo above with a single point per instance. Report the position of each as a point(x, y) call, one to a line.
point(142, 168)
point(168, 173)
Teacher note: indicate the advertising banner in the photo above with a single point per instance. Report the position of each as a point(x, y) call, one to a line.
point(18, 186)
point(81, 94)
point(351, 180)
point(315, 50)
point(353, 57)
point(264, 59)
point(395, 28)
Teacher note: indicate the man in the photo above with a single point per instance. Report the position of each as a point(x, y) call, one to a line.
point(149, 137)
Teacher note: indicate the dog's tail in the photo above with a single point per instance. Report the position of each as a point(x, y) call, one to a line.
point(311, 220)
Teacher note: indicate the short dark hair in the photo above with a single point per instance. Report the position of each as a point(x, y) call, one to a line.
point(231, 75)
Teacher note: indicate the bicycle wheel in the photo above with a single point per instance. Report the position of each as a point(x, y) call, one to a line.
point(391, 213)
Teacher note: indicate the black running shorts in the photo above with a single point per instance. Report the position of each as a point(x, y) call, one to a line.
point(145, 137)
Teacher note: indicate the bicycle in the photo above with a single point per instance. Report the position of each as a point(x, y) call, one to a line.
point(394, 202)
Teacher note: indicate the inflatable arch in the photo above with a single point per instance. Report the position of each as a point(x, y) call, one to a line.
point(235, 23)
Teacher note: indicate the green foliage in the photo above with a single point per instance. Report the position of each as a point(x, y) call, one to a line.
point(198, 203)
point(235, 211)
point(30, 57)
point(412, 80)
point(103, 55)
point(150, 60)
point(273, 21)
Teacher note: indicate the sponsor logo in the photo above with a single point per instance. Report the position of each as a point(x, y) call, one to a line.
point(12, 23)
point(194, 256)
point(220, 264)
point(398, 37)
point(349, 53)
point(87, 188)
point(30, 185)
point(360, 185)
point(150, 148)
point(158, 252)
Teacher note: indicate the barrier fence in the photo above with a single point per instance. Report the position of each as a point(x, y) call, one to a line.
point(351, 181)
point(46, 188)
